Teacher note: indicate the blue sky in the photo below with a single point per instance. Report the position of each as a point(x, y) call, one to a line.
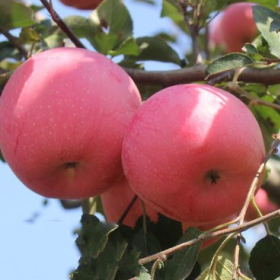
point(36, 241)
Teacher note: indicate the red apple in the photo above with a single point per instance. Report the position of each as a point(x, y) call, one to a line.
point(116, 200)
point(236, 27)
point(192, 152)
point(82, 4)
point(265, 205)
point(63, 114)
point(215, 36)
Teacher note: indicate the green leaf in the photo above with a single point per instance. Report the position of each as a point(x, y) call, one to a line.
point(144, 275)
point(28, 35)
point(112, 23)
point(14, 14)
point(269, 116)
point(8, 50)
point(265, 258)
point(270, 4)
point(150, 2)
point(275, 25)
point(105, 42)
point(250, 49)
point(93, 230)
point(106, 253)
point(228, 62)
point(155, 49)
point(81, 27)
point(223, 271)
point(182, 263)
point(263, 18)
point(128, 47)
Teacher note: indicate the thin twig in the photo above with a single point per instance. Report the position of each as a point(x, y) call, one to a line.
point(14, 41)
point(193, 26)
point(206, 236)
point(253, 100)
point(61, 24)
point(126, 211)
point(246, 204)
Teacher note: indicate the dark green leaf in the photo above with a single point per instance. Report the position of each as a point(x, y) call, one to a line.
point(250, 49)
point(228, 62)
point(155, 49)
point(8, 50)
point(93, 230)
point(1, 157)
point(263, 18)
point(223, 271)
point(106, 253)
point(275, 25)
point(14, 14)
point(182, 263)
point(265, 258)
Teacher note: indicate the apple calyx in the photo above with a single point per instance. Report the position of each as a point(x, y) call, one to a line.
point(213, 176)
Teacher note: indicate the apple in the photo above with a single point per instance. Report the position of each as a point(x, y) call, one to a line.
point(82, 4)
point(116, 200)
point(235, 27)
point(191, 152)
point(63, 115)
point(215, 36)
point(265, 205)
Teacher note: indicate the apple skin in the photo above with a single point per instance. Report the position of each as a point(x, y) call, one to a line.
point(265, 205)
point(116, 200)
point(63, 115)
point(82, 4)
point(235, 27)
point(191, 152)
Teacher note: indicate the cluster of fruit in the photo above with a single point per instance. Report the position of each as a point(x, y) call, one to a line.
point(72, 125)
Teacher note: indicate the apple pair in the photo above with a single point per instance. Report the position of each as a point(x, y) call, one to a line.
point(71, 121)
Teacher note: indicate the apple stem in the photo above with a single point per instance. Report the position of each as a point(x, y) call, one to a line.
point(129, 206)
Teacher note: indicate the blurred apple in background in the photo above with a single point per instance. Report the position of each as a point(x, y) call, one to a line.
point(265, 205)
point(234, 28)
point(63, 116)
point(82, 4)
point(116, 200)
